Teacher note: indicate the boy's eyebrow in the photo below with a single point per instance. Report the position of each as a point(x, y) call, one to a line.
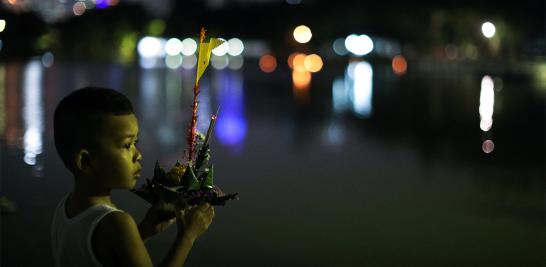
point(125, 136)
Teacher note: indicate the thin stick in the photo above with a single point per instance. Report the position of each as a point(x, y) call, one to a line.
point(193, 127)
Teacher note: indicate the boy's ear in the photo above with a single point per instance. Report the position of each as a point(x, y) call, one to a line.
point(83, 161)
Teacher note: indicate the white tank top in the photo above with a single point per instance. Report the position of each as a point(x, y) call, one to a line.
point(71, 237)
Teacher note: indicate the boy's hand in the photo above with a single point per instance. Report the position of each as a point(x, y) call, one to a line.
point(194, 221)
point(155, 221)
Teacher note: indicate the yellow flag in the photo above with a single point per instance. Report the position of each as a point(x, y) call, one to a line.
point(204, 56)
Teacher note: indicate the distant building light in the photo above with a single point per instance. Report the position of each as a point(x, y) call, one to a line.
point(2, 25)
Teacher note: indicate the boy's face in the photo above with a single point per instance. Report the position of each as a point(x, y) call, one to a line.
point(116, 160)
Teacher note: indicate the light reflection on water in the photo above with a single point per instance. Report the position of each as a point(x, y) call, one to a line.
point(411, 174)
point(33, 112)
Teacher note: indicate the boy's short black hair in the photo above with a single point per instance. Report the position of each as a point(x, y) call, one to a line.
point(78, 119)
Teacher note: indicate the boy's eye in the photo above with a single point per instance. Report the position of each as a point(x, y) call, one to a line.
point(128, 145)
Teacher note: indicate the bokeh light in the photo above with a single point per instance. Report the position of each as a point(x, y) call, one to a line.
point(151, 47)
point(487, 102)
point(101, 4)
point(173, 46)
point(313, 63)
point(173, 61)
point(236, 47)
point(399, 65)
point(2, 25)
point(221, 49)
point(339, 47)
point(79, 8)
point(302, 34)
point(298, 62)
point(189, 47)
point(362, 89)
point(189, 62)
point(219, 62)
point(488, 146)
point(268, 63)
point(488, 29)
point(47, 59)
point(301, 79)
point(236, 62)
point(359, 45)
point(290, 60)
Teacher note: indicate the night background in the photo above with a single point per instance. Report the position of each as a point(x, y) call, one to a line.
point(384, 133)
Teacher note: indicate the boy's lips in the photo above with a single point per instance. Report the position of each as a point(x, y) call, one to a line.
point(137, 173)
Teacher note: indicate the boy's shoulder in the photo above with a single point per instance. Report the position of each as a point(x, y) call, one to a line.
point(117, 223)
point(116, 233)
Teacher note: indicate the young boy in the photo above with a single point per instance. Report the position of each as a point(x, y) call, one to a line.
point(96, 132)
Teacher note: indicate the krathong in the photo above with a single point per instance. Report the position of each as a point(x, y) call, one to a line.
point(190, 183)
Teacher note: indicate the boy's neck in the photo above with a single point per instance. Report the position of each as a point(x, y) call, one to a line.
point(85, 194)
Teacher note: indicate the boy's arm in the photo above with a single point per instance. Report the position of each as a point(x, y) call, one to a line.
point(119, 235)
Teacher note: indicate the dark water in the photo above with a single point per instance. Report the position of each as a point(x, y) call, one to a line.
point(326, 176)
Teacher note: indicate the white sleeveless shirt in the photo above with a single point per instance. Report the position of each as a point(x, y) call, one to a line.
point(71, 237)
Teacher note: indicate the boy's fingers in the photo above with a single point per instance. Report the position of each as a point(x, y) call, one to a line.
point(205, 206)
point(179, 213)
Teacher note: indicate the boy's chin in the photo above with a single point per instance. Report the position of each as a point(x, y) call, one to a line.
point(127, 186)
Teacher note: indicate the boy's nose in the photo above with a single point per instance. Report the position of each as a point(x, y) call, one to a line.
point(138, 155)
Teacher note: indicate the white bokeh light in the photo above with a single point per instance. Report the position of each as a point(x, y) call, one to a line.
point(151, 47)
point(302, 34)
point(236, 47)
point(488, 29)
point(189, 47)
point(221, 49)
point(173, 46)
point(359, 45)
point(173, 62)
point(487, 103)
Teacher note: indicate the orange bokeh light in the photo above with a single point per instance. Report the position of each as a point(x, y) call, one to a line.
point(313, 63)
point(298, 62)
point(291, 59)
point(301, 79)
point(268, 63)
point(399, 65)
